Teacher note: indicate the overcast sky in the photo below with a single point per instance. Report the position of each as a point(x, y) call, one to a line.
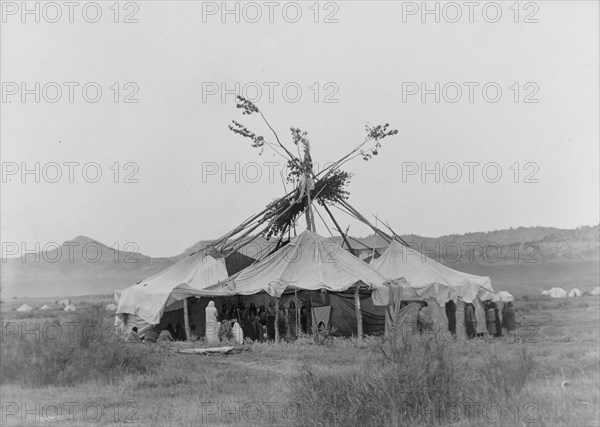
point(175, 142)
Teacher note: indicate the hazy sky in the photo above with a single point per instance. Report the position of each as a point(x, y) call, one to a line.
point(179, 56)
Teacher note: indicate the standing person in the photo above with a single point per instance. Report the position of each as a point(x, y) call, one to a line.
point(232, 312)
point(244, 321)
point(211, 322)
point(508, 317)
point(271, 321)
point(498, 322)
point(490, 318)
point(252, 312)
point(303, 318)
point(263, 319)
point(224, 315)
point(470, 320)
point(282, 322)
point(254, 325)
point(238, 333)
point(292, 317)
point(424, 318)
point(451, 316)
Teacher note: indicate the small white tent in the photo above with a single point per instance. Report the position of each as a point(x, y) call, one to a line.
point(110, 307)
point(503, 296)
point(574, 293)
point(24, 308)
point(557, 293)
point(595, 291)
point(44, 307)
point(545, 293)
point(69, 307)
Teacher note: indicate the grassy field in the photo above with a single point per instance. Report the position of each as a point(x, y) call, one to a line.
point(547, 374)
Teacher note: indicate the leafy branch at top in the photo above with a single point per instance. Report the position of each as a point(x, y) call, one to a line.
point(376, 133)
point(240, 129)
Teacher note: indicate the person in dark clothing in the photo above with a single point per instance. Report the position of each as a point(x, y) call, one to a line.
point(470, 320)
point(245, 324)
point(292, 319)
point(303, 319)
point(252, 312)
point(253, 322)
point(451, 316)
point(498, 322)
point(508, 317)
point(282, 322)
point(490, 318)
point(263, 320)
point(224, 314)
point(271, 321)
point(232, 312)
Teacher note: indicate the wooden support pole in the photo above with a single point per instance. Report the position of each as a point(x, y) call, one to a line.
point(277, 320)
point(359, 324)
point(340, 230)
point(186, 320)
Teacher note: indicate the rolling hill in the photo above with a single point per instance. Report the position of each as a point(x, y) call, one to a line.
point(521, 260)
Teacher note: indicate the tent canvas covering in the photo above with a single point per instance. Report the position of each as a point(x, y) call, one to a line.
point(148, 299)
point(422, 272)
point(310, 263)
point(421, 278)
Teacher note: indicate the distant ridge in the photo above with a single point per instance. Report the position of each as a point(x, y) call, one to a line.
point(70, 271)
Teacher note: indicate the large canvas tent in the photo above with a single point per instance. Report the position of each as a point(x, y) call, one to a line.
point(316, 271)
point(308, 264)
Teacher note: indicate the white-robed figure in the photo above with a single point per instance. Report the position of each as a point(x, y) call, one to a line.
point(211, 323)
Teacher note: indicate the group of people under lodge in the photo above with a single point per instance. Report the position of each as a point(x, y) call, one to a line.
point(238, 322)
